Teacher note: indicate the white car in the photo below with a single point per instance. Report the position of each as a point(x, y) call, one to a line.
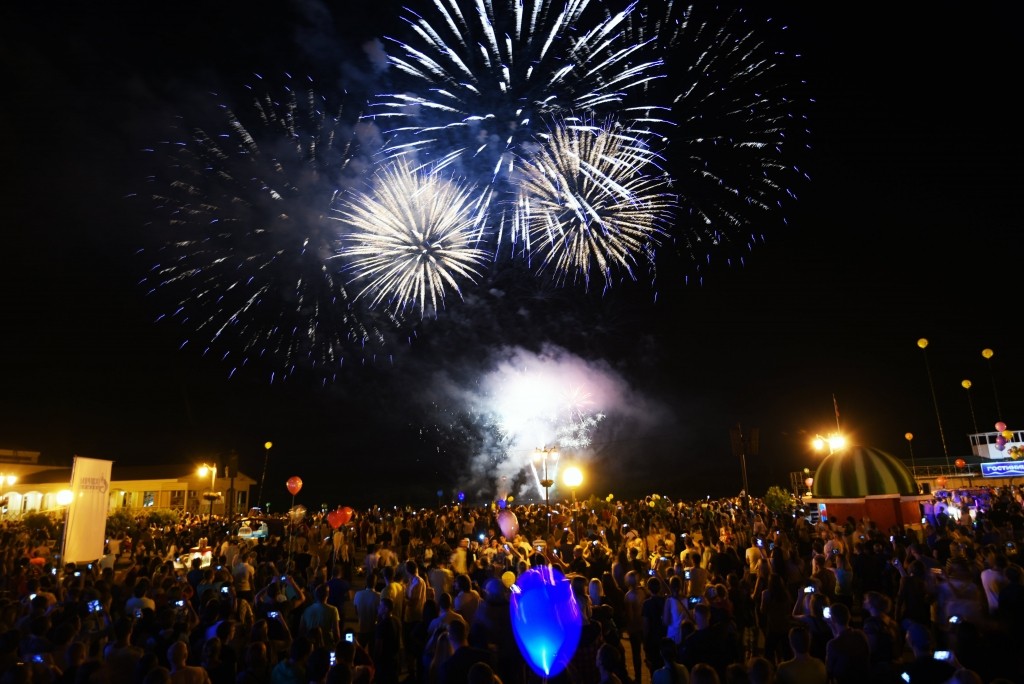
point(253, 530)
point(184, 561)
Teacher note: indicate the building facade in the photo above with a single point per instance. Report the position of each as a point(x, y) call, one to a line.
point(27, 486)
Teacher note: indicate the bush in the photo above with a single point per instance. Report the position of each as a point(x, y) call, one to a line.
point(162, 519)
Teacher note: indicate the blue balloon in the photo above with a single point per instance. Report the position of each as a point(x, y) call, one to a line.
point(546, 619)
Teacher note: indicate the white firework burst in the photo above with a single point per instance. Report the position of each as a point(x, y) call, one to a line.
point(591, 199)
point(412, 238)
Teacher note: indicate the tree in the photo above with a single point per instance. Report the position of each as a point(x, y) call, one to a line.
point(40, 524)
point(777, 500)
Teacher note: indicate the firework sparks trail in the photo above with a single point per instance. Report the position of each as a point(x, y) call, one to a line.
point(741, 120)
point(591, 202)
point(412, 238)
point(243, 242)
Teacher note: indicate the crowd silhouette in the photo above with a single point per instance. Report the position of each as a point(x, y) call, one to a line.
point(671, 592)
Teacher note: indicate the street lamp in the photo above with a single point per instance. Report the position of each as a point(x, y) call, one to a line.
point(211, 496)
point(834, 441)
point(544, 455)
point(573, 478)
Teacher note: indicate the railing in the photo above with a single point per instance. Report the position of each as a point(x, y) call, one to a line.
point(924, 472)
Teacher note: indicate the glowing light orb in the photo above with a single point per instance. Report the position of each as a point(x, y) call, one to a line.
point(546, 620)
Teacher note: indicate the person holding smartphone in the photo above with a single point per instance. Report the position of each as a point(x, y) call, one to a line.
point(925, 667)
point(281, 596)
point(809, 611)
point(823, 577)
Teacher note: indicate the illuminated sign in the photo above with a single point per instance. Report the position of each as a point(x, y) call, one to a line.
point(1009, 469)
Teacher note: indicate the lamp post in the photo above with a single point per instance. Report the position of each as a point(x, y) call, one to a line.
point(573, 478)
point(212, 496)
point(544, 455)
point(743, 443)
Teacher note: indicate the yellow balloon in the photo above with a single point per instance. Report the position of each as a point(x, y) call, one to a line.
point(966, 384)
point(987, 353)
point(922, 343)
point(267, 445)
point(1008, 434)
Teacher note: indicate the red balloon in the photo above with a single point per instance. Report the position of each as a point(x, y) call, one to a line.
point(960, 463)
point(339, 516)
point(294, 484)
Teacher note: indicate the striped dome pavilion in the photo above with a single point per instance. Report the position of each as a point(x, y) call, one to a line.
point(860, 471)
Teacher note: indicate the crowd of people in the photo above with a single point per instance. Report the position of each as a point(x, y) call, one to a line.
point(673, 592)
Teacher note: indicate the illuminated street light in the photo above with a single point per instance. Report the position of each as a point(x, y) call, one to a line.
point(834, 441)
point(211, 496)
point(544, 456)
point(65, 497)
point(572, 478)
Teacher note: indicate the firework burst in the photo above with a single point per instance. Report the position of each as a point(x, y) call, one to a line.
point(740, 115)
point(592, 199)
point(242, 261)
point(479, 76)
point(412, 238)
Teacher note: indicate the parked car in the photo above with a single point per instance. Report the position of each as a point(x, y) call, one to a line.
point(253, 529)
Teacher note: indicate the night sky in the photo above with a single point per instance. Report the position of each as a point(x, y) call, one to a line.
point(907, 228)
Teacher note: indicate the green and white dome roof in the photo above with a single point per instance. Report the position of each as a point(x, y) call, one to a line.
point(859, 471)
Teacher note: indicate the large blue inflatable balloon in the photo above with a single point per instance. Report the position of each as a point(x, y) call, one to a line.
point(545, 619)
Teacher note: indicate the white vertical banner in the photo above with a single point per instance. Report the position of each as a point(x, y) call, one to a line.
point(87, 515)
